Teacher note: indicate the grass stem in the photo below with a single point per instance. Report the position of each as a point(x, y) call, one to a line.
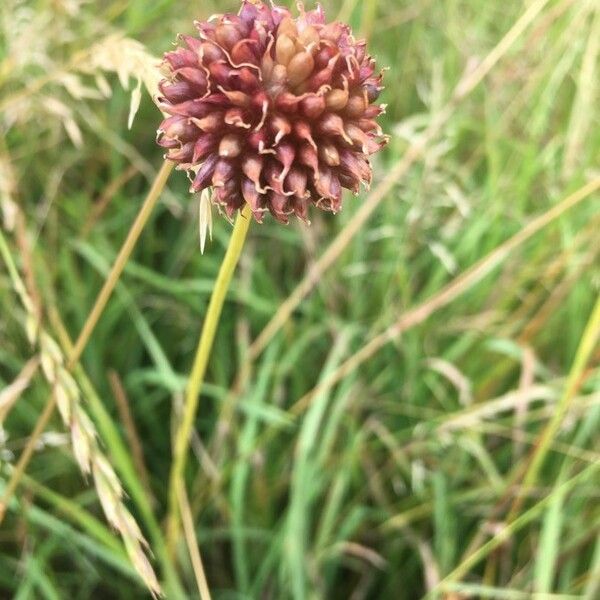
point(26, 455)
point(585, 349)
point(193, 546)
point(121, 260)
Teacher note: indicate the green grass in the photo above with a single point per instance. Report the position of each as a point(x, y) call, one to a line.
point(404, 477)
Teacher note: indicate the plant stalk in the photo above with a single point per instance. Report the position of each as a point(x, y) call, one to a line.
point(121, 260)
point(192, 395)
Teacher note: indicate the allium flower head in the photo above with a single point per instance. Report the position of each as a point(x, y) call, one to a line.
point(273, 111)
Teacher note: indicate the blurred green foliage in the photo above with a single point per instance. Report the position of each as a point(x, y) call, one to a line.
point(390, 480)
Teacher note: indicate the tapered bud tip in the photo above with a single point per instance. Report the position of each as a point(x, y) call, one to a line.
point(287, 27)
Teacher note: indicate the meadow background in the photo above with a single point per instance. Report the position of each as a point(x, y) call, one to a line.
point(424, 421)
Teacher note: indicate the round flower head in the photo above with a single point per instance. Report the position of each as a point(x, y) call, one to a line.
point(271, 110)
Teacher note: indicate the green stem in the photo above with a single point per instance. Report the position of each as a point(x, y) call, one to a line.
point(584, 351)
point(192, 396)
point(507, 533)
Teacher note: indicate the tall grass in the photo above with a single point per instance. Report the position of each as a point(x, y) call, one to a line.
point(402, 400)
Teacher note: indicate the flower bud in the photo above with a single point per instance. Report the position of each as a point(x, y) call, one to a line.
point(300, 67)
point(336, 99)
point(227, 36)
point(230, 146)
point(329, 154)
point(285, 49)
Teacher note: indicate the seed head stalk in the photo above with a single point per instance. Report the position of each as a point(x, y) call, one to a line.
point(207, 336)
point(75, 352)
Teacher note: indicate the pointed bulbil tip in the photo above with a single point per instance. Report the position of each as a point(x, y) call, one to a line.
point(252, 167)
point(280, 126)
point(308, 156)
point(329, 154)
point(296, 181)
point(279, 206)
point(303, 132)
point(332, 124)
point(251, 195)
point(204, 173)
point(236, 117)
